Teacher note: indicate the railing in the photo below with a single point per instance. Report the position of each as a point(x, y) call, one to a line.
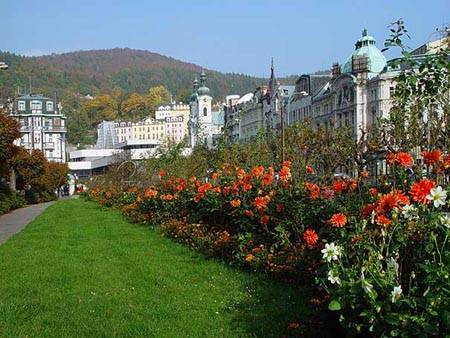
point(54, 128)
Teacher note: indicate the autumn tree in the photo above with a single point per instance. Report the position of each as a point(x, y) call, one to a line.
point(9, 131)
point(134, 107)
point(156, 96)
point(102, 107)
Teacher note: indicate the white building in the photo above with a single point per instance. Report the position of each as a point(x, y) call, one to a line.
point(205, 125)
point(42, 125)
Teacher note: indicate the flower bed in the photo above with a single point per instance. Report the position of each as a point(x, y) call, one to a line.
point(380, 253)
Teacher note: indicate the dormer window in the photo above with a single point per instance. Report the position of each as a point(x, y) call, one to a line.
point(49, 106)
point(36, 105)
point(21, 105)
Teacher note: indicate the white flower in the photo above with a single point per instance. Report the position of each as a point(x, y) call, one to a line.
point(409, 211)
point(367, 287)
point(438, 196)
point(396, 293)
point(333, 277)
point(445, 219)
point(331, 252)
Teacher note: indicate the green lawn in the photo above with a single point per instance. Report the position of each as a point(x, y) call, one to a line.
point(80, 271)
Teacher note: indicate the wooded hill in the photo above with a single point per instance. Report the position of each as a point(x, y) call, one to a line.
point(91, 72)
point(114, 76)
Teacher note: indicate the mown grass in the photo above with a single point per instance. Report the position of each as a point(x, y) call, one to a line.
point(80, 271)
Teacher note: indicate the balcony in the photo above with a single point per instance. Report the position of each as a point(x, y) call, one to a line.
point(49, 145)
point(54, 129)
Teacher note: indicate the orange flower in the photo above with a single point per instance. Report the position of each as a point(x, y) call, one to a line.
point(286, 164)
point(285, 173)
point(258, 171)
point(446, 162)
point(167, 197)
point(310, 236)
point(214, 176)
point(382, 220)
point(235, 203)
point(373, 191)
point(404, 159)
point(248, 213)
point(267, 180)
point(265, 219)
point(421, 189)
point(246, 187)
point(249, 258)
point(261, 202)
point(431, 157)
point(204, 188)
point(351, 185)
point(310, 170)
point(150, 193)
point(338, 220)
point(401, 158)
point(162, 173)
point(364, 174)
point(240, 173)
point(192, 178)
point(339, 186)
point(314, 190)
point(217, 189)
point(393, 200)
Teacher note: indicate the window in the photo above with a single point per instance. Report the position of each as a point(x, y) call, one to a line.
point(21, 106)
point(49, 106)
point(36, 105)
point(205, 111)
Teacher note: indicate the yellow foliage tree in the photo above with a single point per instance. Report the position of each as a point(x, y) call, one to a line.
point(157, 96)
point(134, 107)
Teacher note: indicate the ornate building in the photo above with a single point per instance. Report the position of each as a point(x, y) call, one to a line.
point(205, 125)
point(42, 125)
point(356, 94)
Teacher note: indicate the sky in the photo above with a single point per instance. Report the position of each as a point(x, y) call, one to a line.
point(238, 36)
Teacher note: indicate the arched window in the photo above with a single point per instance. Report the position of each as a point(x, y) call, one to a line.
point(205, 111)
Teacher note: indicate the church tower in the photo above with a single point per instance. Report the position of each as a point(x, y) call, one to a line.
point(201, 115)
point(204, 102)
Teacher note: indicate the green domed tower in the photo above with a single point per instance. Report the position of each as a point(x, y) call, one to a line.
point(365, 46)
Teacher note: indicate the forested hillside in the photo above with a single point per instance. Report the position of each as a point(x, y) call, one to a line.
point(126, 83)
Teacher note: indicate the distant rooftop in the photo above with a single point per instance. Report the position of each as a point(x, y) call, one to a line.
point(33, 97)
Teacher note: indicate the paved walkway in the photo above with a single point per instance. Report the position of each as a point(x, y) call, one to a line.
point(17, 220)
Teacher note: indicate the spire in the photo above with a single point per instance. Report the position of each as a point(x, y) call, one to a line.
point(195, 84)
point(273, 80)
point(203, 78)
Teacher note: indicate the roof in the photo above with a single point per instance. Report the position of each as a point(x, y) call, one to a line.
point(247, 97)
point(365, 46)
point(33, 97)
point(289, 89)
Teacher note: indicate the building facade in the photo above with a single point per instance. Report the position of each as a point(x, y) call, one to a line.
point(42, 125)
point(356, 94)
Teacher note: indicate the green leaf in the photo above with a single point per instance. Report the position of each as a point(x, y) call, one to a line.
point(334, 305)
